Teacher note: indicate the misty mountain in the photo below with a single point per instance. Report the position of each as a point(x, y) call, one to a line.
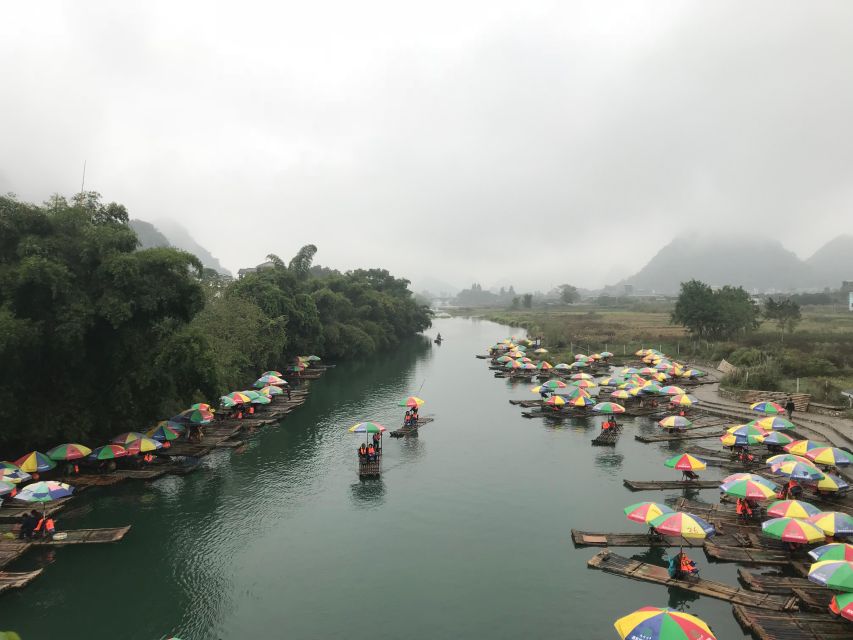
point(755, 264)
point(174, 235)
point(833, 262)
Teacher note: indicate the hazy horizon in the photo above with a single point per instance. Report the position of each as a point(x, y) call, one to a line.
point(493, 142)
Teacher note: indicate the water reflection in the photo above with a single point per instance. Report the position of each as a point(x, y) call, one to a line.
point(609, 461)
point(411, 449)
point(653, 555)
point(679, 599)
point(368, 493)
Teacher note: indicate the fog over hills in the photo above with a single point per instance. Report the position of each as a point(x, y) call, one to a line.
point(170, 234)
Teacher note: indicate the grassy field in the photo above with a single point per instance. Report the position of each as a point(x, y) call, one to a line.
point(819, 352)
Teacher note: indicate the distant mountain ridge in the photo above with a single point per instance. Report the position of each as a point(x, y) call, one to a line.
point(756, 265)
point(173, 235)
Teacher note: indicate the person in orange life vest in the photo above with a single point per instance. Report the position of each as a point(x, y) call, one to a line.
point(148, 458)
point(251, 409)
point(362, 452)
point(371, 453)
point(686, 566)
point(682, 412)
point(376, 440)
point(743, 508)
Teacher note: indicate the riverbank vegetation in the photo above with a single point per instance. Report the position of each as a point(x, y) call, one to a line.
point(98, 337)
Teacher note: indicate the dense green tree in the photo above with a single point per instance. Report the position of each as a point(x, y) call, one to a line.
point(785, 313)
point(569, 294)
point(714, 315)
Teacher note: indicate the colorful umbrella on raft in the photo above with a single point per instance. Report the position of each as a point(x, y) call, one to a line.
point(774, 423)
point(675, 422)
point(786, 457)
point(583, 384)
point(278, 374)
point(834, 574)
point(512, 364)
point(541, 350)
point(562, 366)
point(683, 400)
point(581, 401)
point(271, 391)
point(798, 471)
point(313, 358)
point(801, 447)
point(255, 397)
point(45, 491)
point(197, 416)
point(831, 456)
point(621, 394)
point(792, 530)
point(685, 462)
point(556, 401)
point(606, 354)
point(832, 483)
point(581, 376)
point(767, 408)
point(143, 445)
point(125, 439)
point(673, 391)
point(551, 384)
point(503, 359)
point(842, 605)
point(163, 433)
point(746, 487)
point(265, 381)
point(792, 509)
point(412, 401)
point(833, 523)
point(69, 451)
point(201, 406)
point(544, 366)
point(35, 462)
point(108, 452)
point(650, 388)
point(833, 551)
point(15, 476)
point(777, 438)
point(367, 427)
point(608, 407)
point(682, 524)
point(7, 488)
point(745, 434)
point(645, 512)
point(652, 623)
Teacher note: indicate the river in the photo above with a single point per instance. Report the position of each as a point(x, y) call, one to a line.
point(466, 535)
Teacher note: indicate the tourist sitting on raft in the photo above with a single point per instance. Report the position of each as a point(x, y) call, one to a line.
point(791, 491)
point(687, 474)
point(366, 453)
point(362, 452)
point(35, 525)
point(747, 509)
point(609, 424)
point(742, 454)
point(681, 567)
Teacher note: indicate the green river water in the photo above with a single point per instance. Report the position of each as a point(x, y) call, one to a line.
point(466, 535)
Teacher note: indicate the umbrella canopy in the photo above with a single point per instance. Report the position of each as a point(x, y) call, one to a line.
point(503, 359)
point(833, 523)
point(842, 605)
point(581, 376)
point(671, 390)
point(412, 401)
point(798, 471)
point(792, 530)
point(562, 366)
point(271, 391)
point(143, 445)
point(746, 487)
point(554, 384)
point(651, 388)
point(832, 483)
point(163, 433)
point(835, 574)
point(45, 491)
point(673, 422)
point(255, 397)
point(367, 427)
point(15, 476)
point(786, 457)
point(125, 439)
point(544, 366)
point(832, 456)
point(313, 358)
point(278, 374)
point(608, 407)
point(108, 452)
point(583, 384)
point(833, 551)
point(606, 354)
point(767, 408)
point(557, 401)
point(581, 400)
point(801, 447)
point(685, 462)
point(682, 524)
point(792, 509)
point(745, 434)
point(201, 406)
point(683, 400)
point(9, 465)
point(778, 438)
point(580, 364)
point(69, 451)
point(265, 381)
point(572, 393)
point(512, 364)
point(621, 394)
point(6, 488)
point(652, 623)
point(197, 416)
point(773, 422)
point(35, 462)
point(541, 350)
point(645, 512)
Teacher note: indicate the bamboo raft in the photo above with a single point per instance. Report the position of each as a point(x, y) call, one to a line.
point(13, 511)
point(596, 539)
point(675, 437)
point(791, 626)
point(14, 548)
point(637, 570)
point(662, 485)
point(17, 580)
point(776, 584)
point(745, 555)
point(411, 430)
point(367, 469)
point(607, 438)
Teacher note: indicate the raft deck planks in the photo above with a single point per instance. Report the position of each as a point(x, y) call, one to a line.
point(661, 485)
point(607, 438)
point(779, 585)
point(369, 469)
point(87, 536)
point(791, 626)
point(636, 570)
point(674, 437)
point(599, 539)
point(745, 555)
point(17, 580)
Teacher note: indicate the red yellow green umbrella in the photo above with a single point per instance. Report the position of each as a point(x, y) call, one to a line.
point(272, 373)
point(583, 384)
point(35, 462)
point(580, 364)
point(833, 523)
point(7, 489)
point(775, 423)
point(412, 401)
point(581, 376)
point(69, 451)
point(608, 407)
point(786, 457)
point(143, 445)
point(767, 408)
point(792, 530)
point(202, 406)
point(367, 427)
point(834, 574)
point(675, 422)
point(197, 416)
point(108, 452)
point(833, 551)
point(544, 366)
point(503, 359)
point(685, 462)
point(125, 439)
point(683, 400)
point(15, 476)
point(792, 509)
point(801, 447)
point(513, 364)
point(271, 391)
point(682, 524)
point(9, 465)
point(645, 512)
point(842, 605)
point(652, 623)
point(581, 401)
point(746, 487)
point(265, 381)
point(778, 438)
point(552, 384)
point(621, 394)
point(163, 433)
point(556, 401)
point(831, 483)
point(832, 456)
point(671, 390)
point(798, 471)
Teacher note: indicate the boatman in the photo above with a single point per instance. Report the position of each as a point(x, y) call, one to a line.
point(362, 452)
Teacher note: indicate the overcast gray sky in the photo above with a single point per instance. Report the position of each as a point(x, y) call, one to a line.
point(526, 142)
